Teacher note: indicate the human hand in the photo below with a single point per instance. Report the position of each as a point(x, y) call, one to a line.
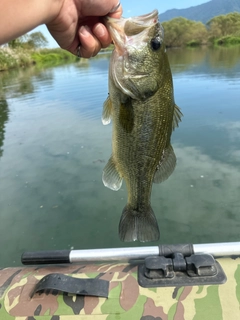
point(79, 23)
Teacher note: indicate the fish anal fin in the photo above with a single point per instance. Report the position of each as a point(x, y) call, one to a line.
point(138, 225)
point(166, 165)
point(111, 177)
point(177, 115)
point(107, 111)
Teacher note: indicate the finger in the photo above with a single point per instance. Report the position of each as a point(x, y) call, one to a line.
point(98, 7)
point(90, 45)
point(102, 34)
point(116, 14)
point(100, 30)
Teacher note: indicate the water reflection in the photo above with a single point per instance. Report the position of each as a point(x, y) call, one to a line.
point(4, 112)
point(206, 61)
point(201, 200)
point(224, 58)
point(185, 59)
point(55, 149)
point(23, 82)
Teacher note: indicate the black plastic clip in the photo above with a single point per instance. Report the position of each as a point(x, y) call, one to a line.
point(179, 270)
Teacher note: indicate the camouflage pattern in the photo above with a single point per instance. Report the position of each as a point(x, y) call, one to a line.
point(127, 300)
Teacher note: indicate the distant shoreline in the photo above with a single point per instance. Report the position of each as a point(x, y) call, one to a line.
point(21, 58)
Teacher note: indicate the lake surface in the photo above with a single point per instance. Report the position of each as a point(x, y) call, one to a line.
point(53, 148)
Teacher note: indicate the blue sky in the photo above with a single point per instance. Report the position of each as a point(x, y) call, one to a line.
point(138, 7)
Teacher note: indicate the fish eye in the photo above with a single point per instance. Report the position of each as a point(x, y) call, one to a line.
point(156, 43)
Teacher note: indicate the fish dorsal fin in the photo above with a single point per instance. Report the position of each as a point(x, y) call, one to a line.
point(176, 116)
point(107, 111)
point(166, 165)
point(111, 177)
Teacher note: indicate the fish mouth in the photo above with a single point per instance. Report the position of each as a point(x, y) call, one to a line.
point(123, 30)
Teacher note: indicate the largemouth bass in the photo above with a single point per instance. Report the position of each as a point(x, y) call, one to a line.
point(142, 108)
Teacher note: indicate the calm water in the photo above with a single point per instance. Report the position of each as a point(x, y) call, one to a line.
point(53, 149)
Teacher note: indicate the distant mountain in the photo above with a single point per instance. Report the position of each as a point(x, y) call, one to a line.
point(203, 12)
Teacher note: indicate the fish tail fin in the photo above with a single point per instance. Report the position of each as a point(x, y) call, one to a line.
point(135, 225)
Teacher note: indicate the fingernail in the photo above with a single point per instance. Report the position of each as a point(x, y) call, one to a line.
point(84, 30)
point(99, 30)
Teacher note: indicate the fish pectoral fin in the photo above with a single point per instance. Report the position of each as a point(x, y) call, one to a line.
point(111, 177)
point(166, 165)
point(177, 115)
point(107, 111)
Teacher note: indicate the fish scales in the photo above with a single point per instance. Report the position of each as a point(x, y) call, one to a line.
point(142, 108)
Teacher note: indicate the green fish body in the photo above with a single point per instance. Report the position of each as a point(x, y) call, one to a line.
point(142, 108)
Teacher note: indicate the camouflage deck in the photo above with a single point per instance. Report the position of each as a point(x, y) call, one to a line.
point(127, 300)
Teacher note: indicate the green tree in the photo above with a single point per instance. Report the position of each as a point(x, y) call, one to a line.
point(224, 25)
point(181, 31)
point(36, 40)
point(33, 40)
point(18, 42)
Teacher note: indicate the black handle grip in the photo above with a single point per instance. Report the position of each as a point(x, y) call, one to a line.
point(169, 249)
point(46, 257)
